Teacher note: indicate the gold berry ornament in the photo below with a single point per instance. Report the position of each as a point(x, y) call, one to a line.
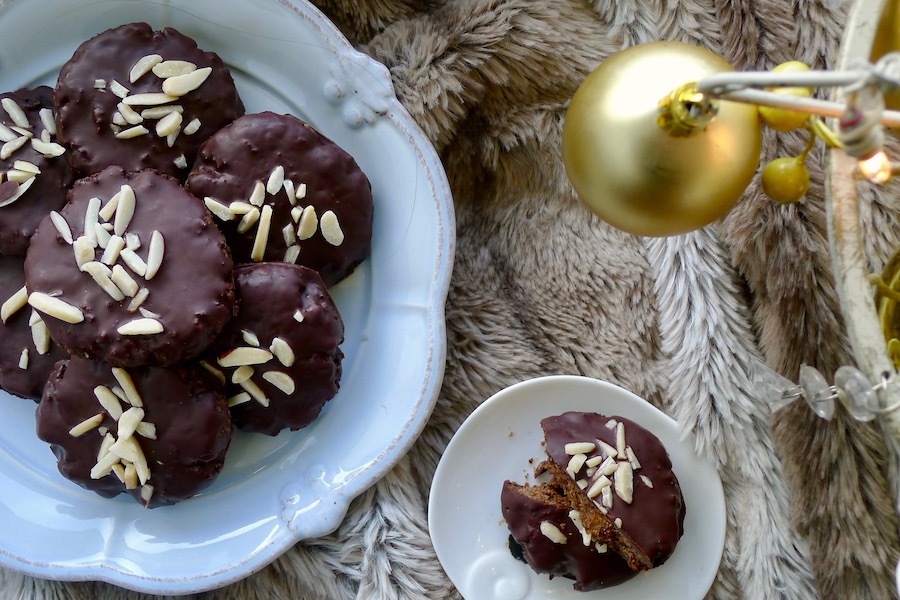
point(785, 180)
point(782, 119)
point(638, 176)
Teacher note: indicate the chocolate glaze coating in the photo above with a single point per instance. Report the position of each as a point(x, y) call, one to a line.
point(86, 114)
point(15, 335)
point(590, 569)
point(193, 427)
point(268, 295)
point(193, 292)
point(655, 518)
point(19, 220)
point(232, 161)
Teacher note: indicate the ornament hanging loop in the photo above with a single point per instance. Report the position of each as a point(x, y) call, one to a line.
point(686, 111)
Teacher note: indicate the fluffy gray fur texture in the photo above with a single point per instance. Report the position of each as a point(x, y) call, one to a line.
point(540, 286)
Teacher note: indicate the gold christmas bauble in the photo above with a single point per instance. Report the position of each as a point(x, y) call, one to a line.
point(634, 174)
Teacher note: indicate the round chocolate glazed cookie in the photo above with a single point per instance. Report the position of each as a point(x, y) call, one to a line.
point(592, 565)
point(281, 191)
point(34, 173)
point(159, 434)
point(140, 98)
point(624, 488)
point(280, 357)
point(27, 354)
point(132, 271)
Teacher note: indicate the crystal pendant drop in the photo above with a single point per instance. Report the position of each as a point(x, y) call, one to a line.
point(776, 391)
point(817, 392)
point(856, 393)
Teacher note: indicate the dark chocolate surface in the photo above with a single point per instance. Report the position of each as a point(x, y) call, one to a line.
point(193, 292)
point(48, 192)
point(654, 520)
point(232, 161)
point(86, 113)
point(15, 335)
point(268, 295)
point(193, 427)
point(590, 569)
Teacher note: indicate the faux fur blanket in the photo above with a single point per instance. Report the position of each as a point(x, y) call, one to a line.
point(541, 286)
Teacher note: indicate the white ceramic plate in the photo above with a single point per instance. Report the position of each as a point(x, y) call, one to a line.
point(285, 57)
point(495, 444)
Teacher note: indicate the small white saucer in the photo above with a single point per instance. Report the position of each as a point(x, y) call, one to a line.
point(496, 442)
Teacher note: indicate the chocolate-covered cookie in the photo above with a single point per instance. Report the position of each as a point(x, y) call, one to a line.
point(279, 357)
point(132, 271)
point(34, 173)
point(281, 191)
point(27, 354)
point(140, 98)
point(159, 434)
point(625, 484)
point(531, 514)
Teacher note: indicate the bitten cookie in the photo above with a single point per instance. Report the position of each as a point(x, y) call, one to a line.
point(140, 98)
point(27, 354)
point(34, 173)
point(281, 191)
point(279, 358)
point(132, 271)
point(159, 434)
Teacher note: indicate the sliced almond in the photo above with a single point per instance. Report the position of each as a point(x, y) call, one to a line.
point(100, 273)
point(242, 374)
point(23, 359)
point(647, 481)
point(104, 465)
point(19, 176)
point(289, 235)
point(635, 464)
point(575, 464)
point(48, 120)
point(611, 424)
point(146, 494)
point(7, 134)
point(22, 131)
point(179, 85)
point(133, 262)
point(276, 179)
point(574, 448)
point(23, 187)
point(258, 195)
point(150, 99)
point(62, 226)
point(250, 338)
point(124, 281)
point(180, 161)
point(192, 127)
point(109, 209)
point(125, 209)
point(240, 208)
point(138, 299)
point(620, 439)
point(40, 336)
point(128, 422)
point(132, 241)
point(13, 304)
point(114, 246)
point(251, 388)
point(109, 401)
point(129, 477)
point(131, 116)
point(282, 351)
point(7, 149)
point(169, 124)
point(86, 425)
point(118, 89)
point(148, 313)
point(173, 68)
point(552, 532)
point(292, 254)
point(594, 461)
point(262, 234)
point(143, 66)
point(126, 448)
point(146, 430)
point(296, 213)
point(598, 485)
point(301, 191)
point(158, 112)
point(309, 222)
point(239, 399)
point(624, 481)
point(56, 308)
point(218, 209)
point(127, 384)
point(132, 132)
point(280, 380)
point(28, 167)
point(331, 228)
point(608, 450)
point(155, 254)
point(84, 251)
point(298, 315)
point(102, 235)
point(15, 112)
point(47, 149)
point(288, 186)
point(108, 440)
point(119, 470)
point(248, 220)
point(141, 327)
point(244, 356)
point(575, 517)
point(608, 466)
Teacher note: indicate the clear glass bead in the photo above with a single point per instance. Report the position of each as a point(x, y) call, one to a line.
point(856, 393)
point(775, 390)
point(817, 392)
